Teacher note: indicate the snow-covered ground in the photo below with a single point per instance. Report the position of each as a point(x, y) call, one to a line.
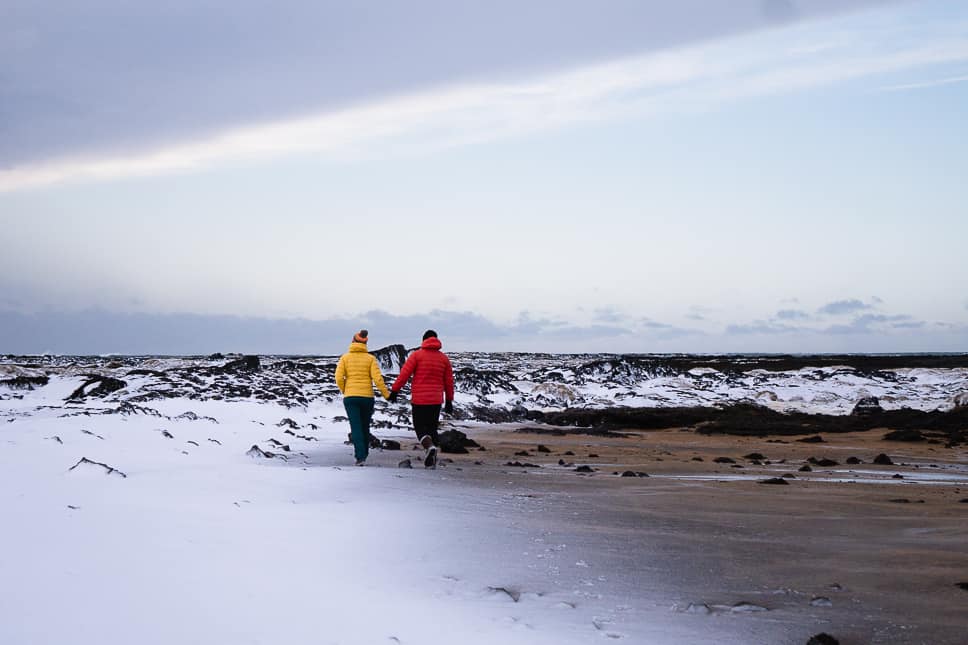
point(192, 540)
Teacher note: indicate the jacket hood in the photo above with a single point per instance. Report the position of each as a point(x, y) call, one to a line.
point(358, 347)
point(431, 343)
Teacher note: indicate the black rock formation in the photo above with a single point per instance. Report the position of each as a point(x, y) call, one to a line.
point(391, 357)
point(883, 460)
point(105, 385)
point(775, 480)
point(907, 434)
point(823, 638)
point(25, 382)
point(867, 406)
point(456, 442)
point(823, 463)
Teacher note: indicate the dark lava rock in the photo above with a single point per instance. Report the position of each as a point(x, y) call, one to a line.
point(584, 469)
point(256, 451)
point(805, 469)
point(25, 382)
point(823, 463)
point(853, 461)
point(788, 476)
point(963, 501)
point(244, 364)
point(867, 406)
point(592, 455)
point(106, 385)
point(814, 439)
point(756, 462)
point(456, 442)
point(698, 459)
point(522, 453)
point(900, 500)
point(405, 464)
point(962, 585)
point(518, 464)
point(775, 480)
point(632, 473)
point(217, 356)
point(569, 454)
point(883, 460)
point(897, 476)
point(724, 460)
point(389, 444)
point(288, 422)
point(543, 448)
point(391, 357)
point(754, 456)
point(908, 434)
point(823, 638)
point(108, 470)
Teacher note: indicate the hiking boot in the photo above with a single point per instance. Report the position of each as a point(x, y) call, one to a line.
point(361, 462)
point(426, 442)
point(431, 460)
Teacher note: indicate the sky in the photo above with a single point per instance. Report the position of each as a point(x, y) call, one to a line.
point(699, 176)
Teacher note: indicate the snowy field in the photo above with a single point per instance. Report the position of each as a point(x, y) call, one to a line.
point(192, 540)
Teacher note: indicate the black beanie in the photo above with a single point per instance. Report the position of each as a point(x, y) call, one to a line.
point(430, 333)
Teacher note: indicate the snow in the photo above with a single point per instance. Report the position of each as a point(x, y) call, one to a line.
point(203, 544)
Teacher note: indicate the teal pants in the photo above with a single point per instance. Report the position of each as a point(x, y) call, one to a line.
point(359, 409)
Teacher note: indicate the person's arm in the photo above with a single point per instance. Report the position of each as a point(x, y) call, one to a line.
point(377, 377)
point(341, 375)
point(405, 373)
point(448, 380)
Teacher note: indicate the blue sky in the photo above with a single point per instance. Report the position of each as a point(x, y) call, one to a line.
point(776, 178)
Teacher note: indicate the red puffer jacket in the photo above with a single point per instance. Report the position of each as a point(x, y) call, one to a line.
point(432, 374)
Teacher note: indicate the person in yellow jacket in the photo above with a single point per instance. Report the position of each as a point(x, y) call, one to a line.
point(356, 374)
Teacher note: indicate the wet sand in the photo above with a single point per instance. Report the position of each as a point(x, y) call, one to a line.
point(832, 551)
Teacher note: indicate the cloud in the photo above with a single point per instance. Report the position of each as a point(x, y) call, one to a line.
point(761, 327)
point(96, 331)
point(868, 323)
point(925, 84)
point(414, 122)
point(792, 314)
point(779, 10)
point(842, 307)
point(608, 315)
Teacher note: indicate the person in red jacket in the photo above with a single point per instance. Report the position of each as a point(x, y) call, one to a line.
point(433, 384)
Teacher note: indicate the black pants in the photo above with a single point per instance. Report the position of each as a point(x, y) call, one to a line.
point(426, 418)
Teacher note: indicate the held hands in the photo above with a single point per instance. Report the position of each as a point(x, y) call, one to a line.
point(392, 398)
point(449, 407)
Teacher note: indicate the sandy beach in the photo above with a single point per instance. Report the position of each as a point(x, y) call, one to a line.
point(847, 549)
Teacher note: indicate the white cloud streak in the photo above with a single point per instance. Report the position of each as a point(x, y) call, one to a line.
point(925, 84)
point(687, 80)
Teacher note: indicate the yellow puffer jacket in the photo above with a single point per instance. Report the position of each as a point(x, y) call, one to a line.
point(357, 372)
